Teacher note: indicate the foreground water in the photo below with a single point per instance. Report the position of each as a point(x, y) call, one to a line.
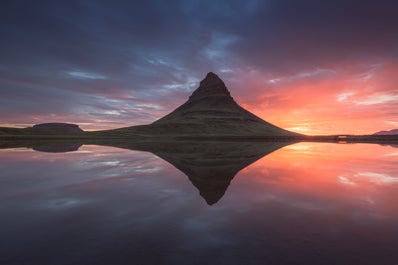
point(306, 203)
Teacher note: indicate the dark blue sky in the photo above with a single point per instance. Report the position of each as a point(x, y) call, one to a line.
point(106, 64)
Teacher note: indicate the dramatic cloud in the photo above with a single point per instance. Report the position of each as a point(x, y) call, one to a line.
point(310, 66)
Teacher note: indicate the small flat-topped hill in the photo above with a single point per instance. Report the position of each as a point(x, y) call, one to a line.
point(57, 127)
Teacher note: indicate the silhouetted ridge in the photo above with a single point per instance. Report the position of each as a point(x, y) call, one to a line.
point(58, 127)
point(211, 110)
point(211, 86)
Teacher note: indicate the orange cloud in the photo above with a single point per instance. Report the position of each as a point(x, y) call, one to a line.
point(350, 99)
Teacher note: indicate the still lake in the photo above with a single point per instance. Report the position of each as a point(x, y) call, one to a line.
point(303, 203)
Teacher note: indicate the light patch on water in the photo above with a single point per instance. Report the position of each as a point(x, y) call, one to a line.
point(345, 180)
point(392, 154)
point(109, 163)
point(64, 203)
point(378, 178)
point(147, 170)
point(369, 201)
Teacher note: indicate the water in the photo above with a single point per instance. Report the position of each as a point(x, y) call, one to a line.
point(211, 203)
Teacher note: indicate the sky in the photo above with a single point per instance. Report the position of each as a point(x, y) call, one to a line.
point(313, 67)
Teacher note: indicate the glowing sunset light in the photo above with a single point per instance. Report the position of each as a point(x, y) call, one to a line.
point(337, 101)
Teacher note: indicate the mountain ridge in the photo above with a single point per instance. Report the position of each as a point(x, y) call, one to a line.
point(209, 111)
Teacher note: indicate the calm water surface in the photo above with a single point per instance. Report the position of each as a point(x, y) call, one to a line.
point(306, 203)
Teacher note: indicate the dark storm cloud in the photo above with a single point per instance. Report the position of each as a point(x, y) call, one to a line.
point(299, 33)
point(63, 53)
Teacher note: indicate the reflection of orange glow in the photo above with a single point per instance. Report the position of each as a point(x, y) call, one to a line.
point(323, 176)
point(360, 176)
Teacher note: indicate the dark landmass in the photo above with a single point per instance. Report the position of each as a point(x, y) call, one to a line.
point(57, 128)
point(45, 129)
point(14, 131)
point(54, 148)
point(391, 132)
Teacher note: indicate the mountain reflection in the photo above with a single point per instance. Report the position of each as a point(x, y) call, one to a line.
point(57, 148)
point(210, 166)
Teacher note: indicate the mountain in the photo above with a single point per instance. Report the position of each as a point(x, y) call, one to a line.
point(209, 111)
point(391, 132)
point(57, 127)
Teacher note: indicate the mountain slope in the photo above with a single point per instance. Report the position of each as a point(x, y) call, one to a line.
point(210, 111)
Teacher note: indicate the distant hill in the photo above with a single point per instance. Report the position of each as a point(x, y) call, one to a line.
point(209, 111)
point(58, 127)
point(53, 129)
point(391, 132)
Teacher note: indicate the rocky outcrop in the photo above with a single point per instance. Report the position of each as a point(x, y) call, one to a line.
point(57, 128)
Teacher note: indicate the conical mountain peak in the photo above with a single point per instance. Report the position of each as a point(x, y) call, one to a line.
point(212, 111)
point(211, 85)
point(212, 78)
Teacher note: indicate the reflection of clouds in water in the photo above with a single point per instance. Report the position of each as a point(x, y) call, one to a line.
point(372, 177)
point(294, 202)
point(48, 171)
point(148, 170)
point(369, 201)
point(108, 161)
point(132, 202)
point(299, 147)
point(378, 178)
point(317, 176)
point(346, 180)
point(63, 203)
point(392, 154)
